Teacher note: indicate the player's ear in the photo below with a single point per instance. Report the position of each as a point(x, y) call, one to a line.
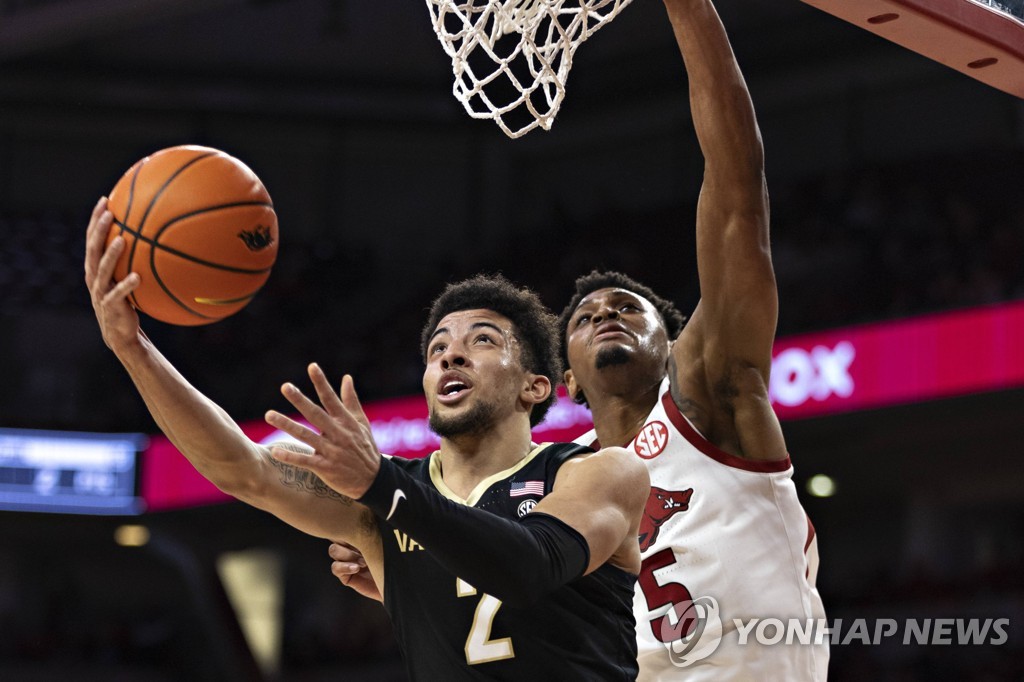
point(570, 383)
point(536, 389)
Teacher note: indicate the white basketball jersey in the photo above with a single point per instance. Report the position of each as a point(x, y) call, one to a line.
point(721, 527)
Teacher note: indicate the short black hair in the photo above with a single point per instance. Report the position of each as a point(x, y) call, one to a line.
point(610, 279)
point(535, 326)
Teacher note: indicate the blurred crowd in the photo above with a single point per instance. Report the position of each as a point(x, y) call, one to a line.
point(873, 244)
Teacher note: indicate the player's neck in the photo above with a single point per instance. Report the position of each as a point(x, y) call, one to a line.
point(619, 416)
point(466, 460)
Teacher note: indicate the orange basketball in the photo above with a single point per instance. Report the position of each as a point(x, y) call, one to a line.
point(199, 229)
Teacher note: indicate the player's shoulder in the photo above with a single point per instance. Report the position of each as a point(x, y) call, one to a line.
point(616, 462)
point(558, 453)
point(622, 462)
point(412, 465)
point(612, 473)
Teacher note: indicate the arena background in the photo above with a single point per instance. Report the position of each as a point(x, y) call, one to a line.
point(895, 189)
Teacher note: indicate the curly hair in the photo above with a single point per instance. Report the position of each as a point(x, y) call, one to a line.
point(534, 325)
point(610, 279)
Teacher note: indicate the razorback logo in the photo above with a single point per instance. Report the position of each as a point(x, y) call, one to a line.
point(661, 506)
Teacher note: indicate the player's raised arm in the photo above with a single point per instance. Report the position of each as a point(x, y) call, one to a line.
point(738, 308)
point(723, 357)
point(201, 430)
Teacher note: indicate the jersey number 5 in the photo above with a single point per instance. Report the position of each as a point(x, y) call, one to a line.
point(480, 648)
point(674, 595)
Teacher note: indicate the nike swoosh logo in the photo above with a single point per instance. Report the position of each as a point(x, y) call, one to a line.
point(399, 494)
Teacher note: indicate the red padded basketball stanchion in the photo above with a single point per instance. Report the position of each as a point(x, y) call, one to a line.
point(967, 35)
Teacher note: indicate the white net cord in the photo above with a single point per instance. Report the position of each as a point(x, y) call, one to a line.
point(511, 58)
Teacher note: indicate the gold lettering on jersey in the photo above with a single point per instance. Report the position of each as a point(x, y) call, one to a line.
point(480, 648)
point(406, 543)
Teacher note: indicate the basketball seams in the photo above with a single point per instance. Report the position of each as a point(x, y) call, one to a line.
point(155, 242)
point(127, 214)
point(149, 208)
point(156, 192)
point(209, 209)
point(170, 295)
point(156, 245)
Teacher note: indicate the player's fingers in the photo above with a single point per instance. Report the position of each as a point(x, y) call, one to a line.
point(104, 271)
point(122, 289)
point(345, 570)
point(97, 211)
point(328, 398)
point(340, 551)
point(313, 413)
point(95, 243)
point(360, 582)
point(293, 429)
point(351, 400)
point(302, 460)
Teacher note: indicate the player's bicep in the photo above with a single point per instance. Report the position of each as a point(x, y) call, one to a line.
point(739, 296)
point(601, 495)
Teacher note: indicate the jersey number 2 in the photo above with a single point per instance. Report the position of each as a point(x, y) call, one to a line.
point(670, 594)
point(480, 648)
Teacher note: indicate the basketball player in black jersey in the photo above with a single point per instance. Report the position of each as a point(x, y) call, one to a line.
point(500, 559)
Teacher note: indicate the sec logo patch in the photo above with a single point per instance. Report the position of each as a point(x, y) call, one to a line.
point(525, 507)
point(651, 440)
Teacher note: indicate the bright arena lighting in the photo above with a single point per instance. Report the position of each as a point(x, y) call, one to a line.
point(821, 485)
point(131, 535)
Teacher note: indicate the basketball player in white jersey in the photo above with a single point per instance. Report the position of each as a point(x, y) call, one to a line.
point(723, 519)
point(725, 538)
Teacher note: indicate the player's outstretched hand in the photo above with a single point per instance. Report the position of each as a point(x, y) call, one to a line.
point(350, 568)
point(118, 320)
point(344, 456)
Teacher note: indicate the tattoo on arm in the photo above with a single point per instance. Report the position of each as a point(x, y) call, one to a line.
point(306, 481)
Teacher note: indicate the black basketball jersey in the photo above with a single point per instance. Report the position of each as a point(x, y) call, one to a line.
point(448, 630)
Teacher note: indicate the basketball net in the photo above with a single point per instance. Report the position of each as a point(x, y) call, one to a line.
point(524, 51)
